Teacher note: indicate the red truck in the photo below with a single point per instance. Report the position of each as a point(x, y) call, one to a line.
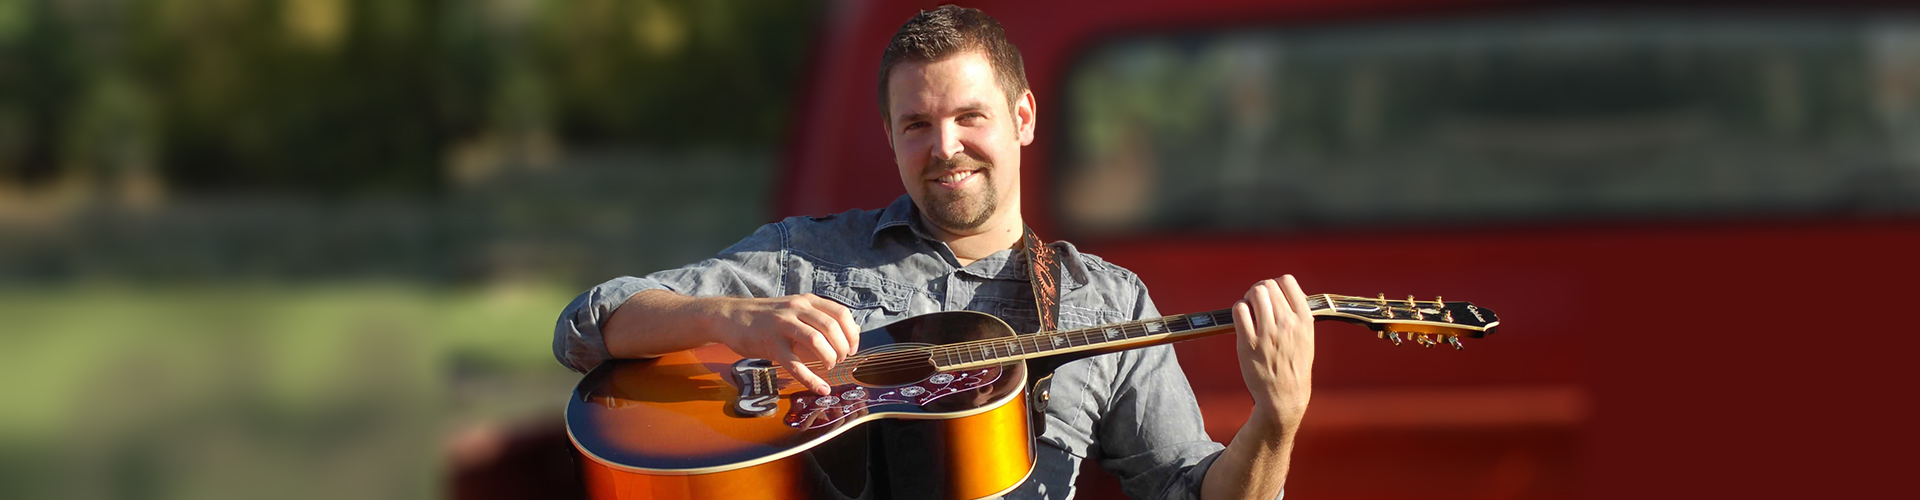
point(1698, 223)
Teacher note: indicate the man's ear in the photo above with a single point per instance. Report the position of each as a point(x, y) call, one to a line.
point(1025, 114)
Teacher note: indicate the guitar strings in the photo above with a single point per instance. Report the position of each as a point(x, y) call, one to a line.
point(914, 356)
point(1085, 334)
point(1317, 302)
point(920, 357)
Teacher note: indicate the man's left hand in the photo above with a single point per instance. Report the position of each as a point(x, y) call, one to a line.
point(1274, 328)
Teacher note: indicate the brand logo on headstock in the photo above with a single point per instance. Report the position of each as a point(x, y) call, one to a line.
point(1476, 312)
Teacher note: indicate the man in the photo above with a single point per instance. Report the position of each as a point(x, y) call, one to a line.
point(956, 112)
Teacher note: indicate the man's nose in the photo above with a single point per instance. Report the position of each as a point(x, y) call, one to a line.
point(949, 145)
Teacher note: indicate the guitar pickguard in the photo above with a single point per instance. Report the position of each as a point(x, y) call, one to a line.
point(811, 411)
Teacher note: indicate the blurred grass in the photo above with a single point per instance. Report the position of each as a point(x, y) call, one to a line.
point(286, 349)
point(260, 391)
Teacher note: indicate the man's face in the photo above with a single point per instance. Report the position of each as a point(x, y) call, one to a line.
point(956, 141)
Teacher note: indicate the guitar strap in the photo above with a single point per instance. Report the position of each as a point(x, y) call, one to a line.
point(1043, 270)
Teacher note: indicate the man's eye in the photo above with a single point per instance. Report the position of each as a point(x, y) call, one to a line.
point(914, 125)
point(973, 116)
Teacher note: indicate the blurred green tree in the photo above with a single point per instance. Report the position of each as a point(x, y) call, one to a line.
point(351, 97)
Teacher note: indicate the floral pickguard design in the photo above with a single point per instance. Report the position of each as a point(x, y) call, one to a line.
point(811, 411)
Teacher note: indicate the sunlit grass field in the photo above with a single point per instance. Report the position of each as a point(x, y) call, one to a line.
point(269, 391)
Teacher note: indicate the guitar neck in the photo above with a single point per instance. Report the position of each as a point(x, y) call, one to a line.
point(1107, 338)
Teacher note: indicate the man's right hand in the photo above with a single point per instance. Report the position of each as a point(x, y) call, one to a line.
point(791, 331)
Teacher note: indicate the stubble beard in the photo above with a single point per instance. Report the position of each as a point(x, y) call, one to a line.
point(960, 210)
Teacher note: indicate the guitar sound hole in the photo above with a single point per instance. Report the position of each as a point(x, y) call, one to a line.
point(891, 372)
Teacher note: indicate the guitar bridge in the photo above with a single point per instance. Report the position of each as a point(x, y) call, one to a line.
point(759, 388)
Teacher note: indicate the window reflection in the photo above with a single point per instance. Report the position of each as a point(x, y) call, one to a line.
point(1547, 118)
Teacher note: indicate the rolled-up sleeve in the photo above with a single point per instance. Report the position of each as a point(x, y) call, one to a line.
point(754, 267)
point(1153, 437)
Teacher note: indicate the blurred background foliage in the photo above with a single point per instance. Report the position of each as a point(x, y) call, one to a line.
point(351, 97)
point(314, 248)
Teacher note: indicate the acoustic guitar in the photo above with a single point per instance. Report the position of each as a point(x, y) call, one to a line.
point(940, 408)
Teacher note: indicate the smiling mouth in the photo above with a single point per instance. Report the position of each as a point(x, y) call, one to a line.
point(955, 177)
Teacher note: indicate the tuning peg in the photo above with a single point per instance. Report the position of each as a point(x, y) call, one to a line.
point(1394, 336)
point(1424, 341)
point(1441, 301)
point(1454, 340)
point(1446, 315)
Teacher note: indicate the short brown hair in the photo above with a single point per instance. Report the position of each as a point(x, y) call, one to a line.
point(936, 34)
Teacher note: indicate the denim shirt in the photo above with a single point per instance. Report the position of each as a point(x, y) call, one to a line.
point(1131, 410)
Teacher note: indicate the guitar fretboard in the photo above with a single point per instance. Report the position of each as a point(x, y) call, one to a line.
point(1117, 335)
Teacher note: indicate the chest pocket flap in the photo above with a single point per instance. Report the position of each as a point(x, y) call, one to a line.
point(860, 289)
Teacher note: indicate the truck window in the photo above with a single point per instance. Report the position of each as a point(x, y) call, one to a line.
point(1548, 118)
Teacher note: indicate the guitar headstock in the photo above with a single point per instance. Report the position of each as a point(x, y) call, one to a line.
point(1426, 322)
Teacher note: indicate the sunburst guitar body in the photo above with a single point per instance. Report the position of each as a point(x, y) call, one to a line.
point(940, 412)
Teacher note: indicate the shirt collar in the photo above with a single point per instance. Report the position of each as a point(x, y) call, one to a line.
point(903, 214)
point(900, 213)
